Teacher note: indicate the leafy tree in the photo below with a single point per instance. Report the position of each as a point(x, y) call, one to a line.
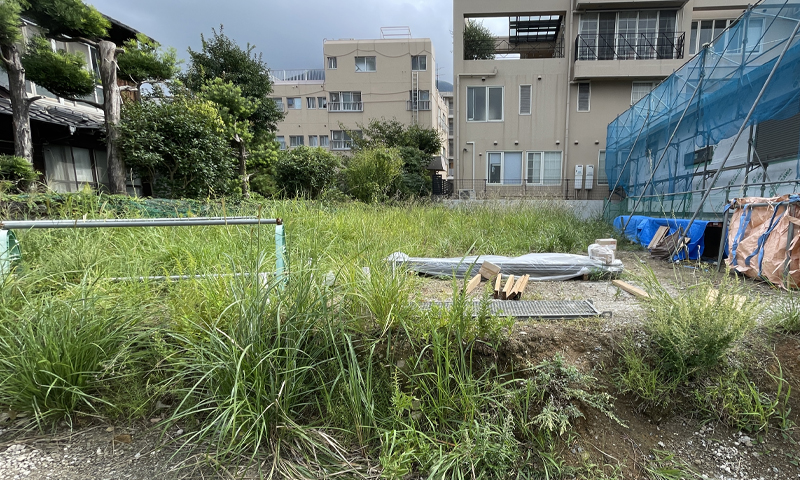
point(16, 173)
point(305, 171)
point(145, 62)
point(478, 42)
point(372, 174)
point(180, 144)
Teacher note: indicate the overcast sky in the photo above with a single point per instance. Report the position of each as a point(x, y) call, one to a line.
point(288, 32)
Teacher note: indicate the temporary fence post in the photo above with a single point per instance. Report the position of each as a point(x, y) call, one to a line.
point(280, 253)
point(723, 239)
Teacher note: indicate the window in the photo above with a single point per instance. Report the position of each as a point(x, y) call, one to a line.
point(365, 64)
point(629, 35)
point(278, 103)
point(543, 168)
point(340, 140)
point(419, 63)
point(525, 99)
point(602, 179)
point(312, 141)
point(67, 168)
point(640, 89)
point(707, 31)
point(345, 102)
point(281, 141)
point(295, 140)
point(699, 156)
point(505, 168)
point(484, 104)
point(331, 63)
point(584, 96)
point(294, 103)
point(419, 100)
point(311, 103)
point(322, 102)
point(323, 141)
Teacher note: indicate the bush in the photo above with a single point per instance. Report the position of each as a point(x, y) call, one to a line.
point(305, 171)
point(372, 175)
point(16, 173)
point(785, 315)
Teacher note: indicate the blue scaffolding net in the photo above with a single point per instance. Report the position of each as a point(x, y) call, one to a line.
point(725, 125)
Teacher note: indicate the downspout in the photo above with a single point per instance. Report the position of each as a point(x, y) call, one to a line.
point(570, 73)
point(473, 162)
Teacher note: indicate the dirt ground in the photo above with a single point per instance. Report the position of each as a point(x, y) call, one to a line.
point(710, 451)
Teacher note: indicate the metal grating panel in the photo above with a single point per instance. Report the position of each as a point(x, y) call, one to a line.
point(533, 308)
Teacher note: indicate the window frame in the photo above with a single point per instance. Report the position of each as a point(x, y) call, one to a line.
point(294, 101)
point(487, 88)
point(281, 139)
point(345, 139)
point(601, 169)
point(425, 61)
point(322, 102)
point(313, 141)
point(588, 99)
point(311, 103)
point(332, 63)
point(366, 64)
point(542, 181)
point(340, 101)
point(294, 143)
point(633, 86)
point(530, 99)
point(503, 168)
point(325, 143)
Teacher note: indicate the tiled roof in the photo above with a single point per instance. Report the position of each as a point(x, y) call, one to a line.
point(55, 113)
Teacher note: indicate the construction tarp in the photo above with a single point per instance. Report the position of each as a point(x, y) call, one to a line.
point(641, 229)
point(540, 266)
point(763, 238)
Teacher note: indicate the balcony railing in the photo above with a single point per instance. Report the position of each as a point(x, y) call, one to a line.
point(341, 144)
point(346, 107)
point(418, 105)
point(628, 46)
point(297, 76)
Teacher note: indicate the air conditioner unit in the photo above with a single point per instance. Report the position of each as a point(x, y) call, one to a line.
point(466, 194)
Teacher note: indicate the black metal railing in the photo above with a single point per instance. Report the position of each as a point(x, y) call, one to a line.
point(563, 189)
point(629, 46)
point(555, 49)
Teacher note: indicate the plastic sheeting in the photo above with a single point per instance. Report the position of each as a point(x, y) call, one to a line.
point(759, 233)
point(540, 266)
point(642, 229)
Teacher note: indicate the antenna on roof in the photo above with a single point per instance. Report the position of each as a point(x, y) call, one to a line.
point(395, 32)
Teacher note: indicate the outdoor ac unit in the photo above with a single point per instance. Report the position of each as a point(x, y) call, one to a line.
point(466, 194)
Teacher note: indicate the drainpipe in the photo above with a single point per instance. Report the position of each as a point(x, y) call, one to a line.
point(473, 162)
point(570, 62)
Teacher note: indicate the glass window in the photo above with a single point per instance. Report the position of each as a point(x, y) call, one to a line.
point(495, 166)
point(311, 102)
point(640, 89)
point(278, 103)
point(322, 102)
point(340, 140)
point(602, 179)
point(512, 168)
point(323, 140)
point(295, 140)
point(525, 99)
point(83, 165)
point(484, 104)
point(294, 103)
point(419, 63)
point(543, 168)
point(281, 142)
point(365, 64)
point(584, 96)
point(312, 141)
point(331, 63)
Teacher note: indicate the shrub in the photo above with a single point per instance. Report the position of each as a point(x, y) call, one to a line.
point(305, 171)
point(372, 175)
point(478, 42)
point(16, 173)
point(786, 314)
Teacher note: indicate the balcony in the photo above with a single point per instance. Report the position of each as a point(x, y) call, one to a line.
point(341, 144)
point(345, 107)
point(628, 46)
point(418, 105)
point(505, 47)
point(316, 75)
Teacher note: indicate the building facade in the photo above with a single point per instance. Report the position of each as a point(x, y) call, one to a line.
point(388, 78)
point(532, 120)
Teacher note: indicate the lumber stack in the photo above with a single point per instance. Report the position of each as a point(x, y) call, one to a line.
point(512, 289)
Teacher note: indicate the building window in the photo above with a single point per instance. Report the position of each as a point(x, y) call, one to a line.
point(67, 169)
point(639, 90)
point(484, 104)
point(345, 102)
point(312, 141)
point(629, 35)
point(281, 142)
point(322, 102)
point(278, 103)
point(505, 168)
point(311, 103)
point(525, 99)
point(584, 96)
point(543, 168)
point(707, 31)
point(602, 178)
point(365, 64)
point(419, 63)
point(340, 140)
point(323, 141)
point(294, 103)
point(295, 140)
point(331, 63)
point(419, 100)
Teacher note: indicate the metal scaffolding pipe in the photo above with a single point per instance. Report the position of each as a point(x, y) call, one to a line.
point(138, 222)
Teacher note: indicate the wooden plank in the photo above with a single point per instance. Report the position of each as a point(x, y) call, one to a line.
point(636, 291)
point(507, 289)
point(515, 289)
point(524, 285)
point(660, 234)
point(476, 280)
point(497, 284)
point(489, 270)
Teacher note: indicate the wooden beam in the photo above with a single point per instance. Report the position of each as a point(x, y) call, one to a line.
point(476, 280)
point(660, 234)
point(507, 289)
point(497, 284)
point(515, 289)
point(521, 289)
point(636, 291)
point(489, 270)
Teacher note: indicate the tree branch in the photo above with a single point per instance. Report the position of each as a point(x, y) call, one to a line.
point(30, 100)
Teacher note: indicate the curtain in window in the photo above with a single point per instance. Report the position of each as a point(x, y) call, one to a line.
point(59, 172)
point(534, 167)
point(83, 165)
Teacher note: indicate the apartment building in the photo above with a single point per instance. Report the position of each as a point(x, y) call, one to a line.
point(531, 119)
point(387, 78)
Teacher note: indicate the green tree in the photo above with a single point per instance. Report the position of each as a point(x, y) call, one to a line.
point(372, 174)
point(179, 144)
point(305, 171)
point(144, 61)
point(478, 41)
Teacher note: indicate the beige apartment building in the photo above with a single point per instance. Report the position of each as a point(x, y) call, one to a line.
point(387, 78)
point(532, 120)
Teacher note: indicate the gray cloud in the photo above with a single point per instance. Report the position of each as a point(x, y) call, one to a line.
point(289, 34)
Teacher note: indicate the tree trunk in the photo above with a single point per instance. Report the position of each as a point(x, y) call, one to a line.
point(111, 108)
point(20, 104)
point(243, 167)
